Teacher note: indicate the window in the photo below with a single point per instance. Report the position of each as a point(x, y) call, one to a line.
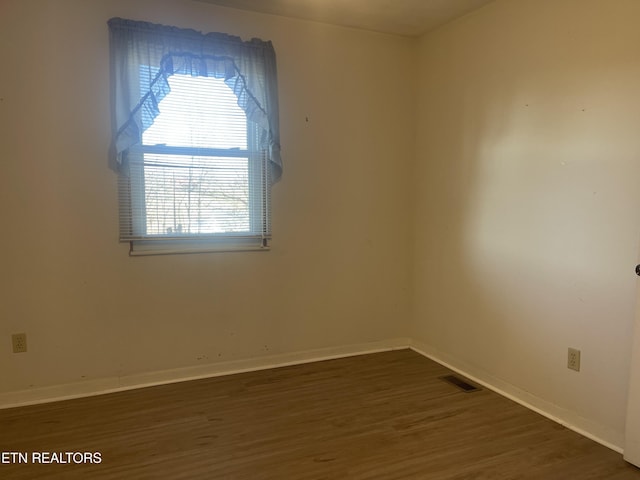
point(196, 140)
point(198, 180)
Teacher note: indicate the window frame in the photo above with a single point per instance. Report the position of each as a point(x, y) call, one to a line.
point(259, 186)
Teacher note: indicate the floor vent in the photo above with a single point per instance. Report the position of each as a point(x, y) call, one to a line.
point(459, 382)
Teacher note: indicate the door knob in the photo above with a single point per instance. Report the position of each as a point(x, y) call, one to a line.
point(638, 270)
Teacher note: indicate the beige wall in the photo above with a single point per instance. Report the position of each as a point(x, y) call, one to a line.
point(527, 200)
point(338, 271)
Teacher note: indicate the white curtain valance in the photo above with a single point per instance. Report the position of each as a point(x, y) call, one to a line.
point(145, 55)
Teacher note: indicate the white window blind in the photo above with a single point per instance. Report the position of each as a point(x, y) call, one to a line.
point(198, 181)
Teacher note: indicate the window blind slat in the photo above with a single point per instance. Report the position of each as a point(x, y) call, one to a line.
point(196, 176)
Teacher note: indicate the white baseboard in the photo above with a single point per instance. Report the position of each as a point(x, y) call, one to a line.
point(566, 418)
point(130, 382)
point(90, 388)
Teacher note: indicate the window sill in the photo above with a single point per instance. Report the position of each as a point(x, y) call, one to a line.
point(188, 246)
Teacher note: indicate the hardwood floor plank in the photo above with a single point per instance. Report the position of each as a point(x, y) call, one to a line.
point(381, 416)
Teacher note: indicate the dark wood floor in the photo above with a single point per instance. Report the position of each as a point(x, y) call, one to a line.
point(380, 416)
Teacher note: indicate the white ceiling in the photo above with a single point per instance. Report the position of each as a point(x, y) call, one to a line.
point(400, 17)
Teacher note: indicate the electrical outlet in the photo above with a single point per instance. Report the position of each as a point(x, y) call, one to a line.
point(573, 359)
point(19, 341)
